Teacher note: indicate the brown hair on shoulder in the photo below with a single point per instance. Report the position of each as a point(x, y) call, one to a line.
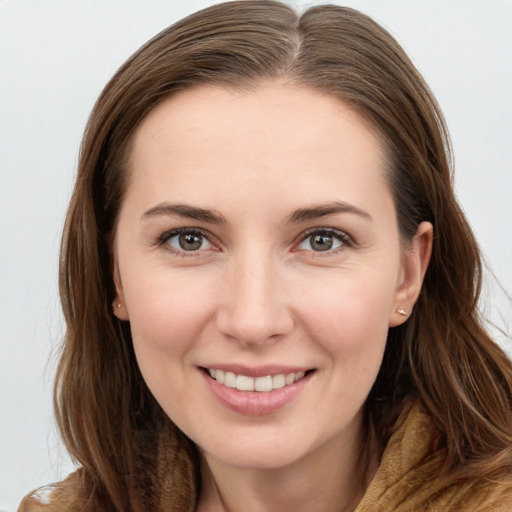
point(441, 356)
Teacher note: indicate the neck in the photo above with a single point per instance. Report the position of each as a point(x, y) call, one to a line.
point(333, 478)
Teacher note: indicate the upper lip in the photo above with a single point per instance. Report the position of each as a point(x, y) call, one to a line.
point(258, 371)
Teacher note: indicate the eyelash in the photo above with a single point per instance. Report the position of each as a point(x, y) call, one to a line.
point(165, 237)
point(341, 236)
point(344, 238)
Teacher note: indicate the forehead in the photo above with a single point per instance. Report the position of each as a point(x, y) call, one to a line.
point(309, 113)
point(275, 138)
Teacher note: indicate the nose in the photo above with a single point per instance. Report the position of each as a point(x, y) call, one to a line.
point(255, 306)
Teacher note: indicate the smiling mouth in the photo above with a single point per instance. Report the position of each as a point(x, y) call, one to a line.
point(260, 384)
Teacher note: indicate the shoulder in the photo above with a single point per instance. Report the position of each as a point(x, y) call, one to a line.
point(58, 497)
point(406, 480)
point(475, 495)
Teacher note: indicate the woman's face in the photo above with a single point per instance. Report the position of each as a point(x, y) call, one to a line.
point(258, 243)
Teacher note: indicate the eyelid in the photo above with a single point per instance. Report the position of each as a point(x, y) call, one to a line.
point(344, 237)
point(167, 235)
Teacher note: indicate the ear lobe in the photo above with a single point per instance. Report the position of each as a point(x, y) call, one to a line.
point(415, 260)
point(119, 305)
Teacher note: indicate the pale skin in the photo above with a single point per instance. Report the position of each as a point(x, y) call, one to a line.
point(288, 256)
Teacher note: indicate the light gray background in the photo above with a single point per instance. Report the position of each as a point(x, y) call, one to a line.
point(55, 57)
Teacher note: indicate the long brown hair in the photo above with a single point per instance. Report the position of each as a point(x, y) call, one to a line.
point(441, 356)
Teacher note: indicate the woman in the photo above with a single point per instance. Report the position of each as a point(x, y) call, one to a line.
point(269, 287)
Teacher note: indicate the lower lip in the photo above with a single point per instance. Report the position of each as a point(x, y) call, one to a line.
point(255, 403)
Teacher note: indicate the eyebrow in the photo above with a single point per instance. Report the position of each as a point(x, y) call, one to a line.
point(184, 210)
point(322, 210)
point(214, 217)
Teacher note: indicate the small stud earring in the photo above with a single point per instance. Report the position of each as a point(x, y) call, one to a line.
point(118, 305)
point(401, 311)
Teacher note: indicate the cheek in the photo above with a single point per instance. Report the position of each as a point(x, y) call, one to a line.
point(167, 313)
point(167, 318)
point(349, 317)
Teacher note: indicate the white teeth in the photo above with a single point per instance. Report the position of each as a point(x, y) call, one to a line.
point(298, 376)
point(244, 383)
point(278, 381)
point(230, 380)
point(261, 384)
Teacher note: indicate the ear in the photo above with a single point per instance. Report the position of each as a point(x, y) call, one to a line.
point(415, 259)
point(119, 304)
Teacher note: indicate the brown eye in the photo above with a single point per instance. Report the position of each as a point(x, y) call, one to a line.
point(323, 240)
point(188, 240)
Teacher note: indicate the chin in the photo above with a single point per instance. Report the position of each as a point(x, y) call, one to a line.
point(269, 447)
point(261, 456)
